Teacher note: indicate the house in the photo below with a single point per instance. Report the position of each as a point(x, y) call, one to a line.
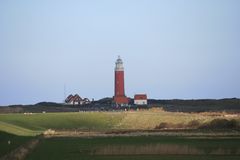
point(76, 100)
point(140, 99)
point(86, 101)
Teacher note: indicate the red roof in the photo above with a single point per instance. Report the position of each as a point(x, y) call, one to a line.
point(71, 98)
point(140, 97)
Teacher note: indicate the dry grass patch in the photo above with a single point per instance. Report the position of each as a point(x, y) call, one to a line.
point(149, 119)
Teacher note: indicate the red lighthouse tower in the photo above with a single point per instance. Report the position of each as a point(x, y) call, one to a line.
point(119, 96)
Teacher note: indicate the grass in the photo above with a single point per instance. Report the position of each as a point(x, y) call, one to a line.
point(82, 148)
point(15, 141)
point(33, 124)
point(19, 128)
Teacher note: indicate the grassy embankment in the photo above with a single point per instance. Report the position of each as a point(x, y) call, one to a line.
point(33, 124)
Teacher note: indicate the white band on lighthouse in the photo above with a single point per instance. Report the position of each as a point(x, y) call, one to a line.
point(119, 64)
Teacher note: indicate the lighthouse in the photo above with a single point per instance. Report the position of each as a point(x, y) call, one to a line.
point(119, 93)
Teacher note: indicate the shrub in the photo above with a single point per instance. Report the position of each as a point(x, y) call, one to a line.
point(221, 124)
point(179, 125)
point(193, 124)
point(162, 125)
point(165, 125)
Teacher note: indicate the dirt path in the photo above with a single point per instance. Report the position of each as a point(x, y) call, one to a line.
point(127, 133)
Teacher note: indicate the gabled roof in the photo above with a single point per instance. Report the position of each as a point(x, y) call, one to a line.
point(140, 97)
point(86, 100)
point(71, 98)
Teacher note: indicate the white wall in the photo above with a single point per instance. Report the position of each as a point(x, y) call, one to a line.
point(140, 102)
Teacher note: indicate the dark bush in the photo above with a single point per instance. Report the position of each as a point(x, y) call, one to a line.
point(162, 125)
point(220, 124)
point(170, 125)
point(233, 123)
point(179, 125)
point(193, 124)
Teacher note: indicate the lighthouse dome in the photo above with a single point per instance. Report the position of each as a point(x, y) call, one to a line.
point(119, 64)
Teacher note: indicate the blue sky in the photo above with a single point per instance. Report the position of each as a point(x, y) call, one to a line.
point(171, 49)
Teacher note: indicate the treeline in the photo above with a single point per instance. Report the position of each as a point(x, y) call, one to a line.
point(200, 105)
point(175, 105)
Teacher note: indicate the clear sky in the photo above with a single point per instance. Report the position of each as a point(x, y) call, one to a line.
point(186, 49)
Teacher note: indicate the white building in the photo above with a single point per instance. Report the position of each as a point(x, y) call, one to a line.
point(140, 99)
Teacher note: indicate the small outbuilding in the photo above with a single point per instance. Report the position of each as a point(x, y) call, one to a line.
point(140, 99)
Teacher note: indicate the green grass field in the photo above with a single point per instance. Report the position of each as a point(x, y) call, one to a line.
point(20, 128)
point(146, 148)
point(33, 124)
point(9, 142)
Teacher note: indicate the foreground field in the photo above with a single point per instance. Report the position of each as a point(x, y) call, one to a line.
point(9, 142)
point(20, 128)
point(146, 148)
